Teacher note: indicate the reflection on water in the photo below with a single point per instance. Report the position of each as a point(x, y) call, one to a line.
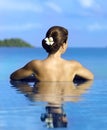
point(55, 116)
point(55, 94)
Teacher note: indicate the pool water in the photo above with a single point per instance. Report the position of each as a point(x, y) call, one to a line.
point(22, 104)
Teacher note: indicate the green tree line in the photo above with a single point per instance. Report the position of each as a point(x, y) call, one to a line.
point(14, 42)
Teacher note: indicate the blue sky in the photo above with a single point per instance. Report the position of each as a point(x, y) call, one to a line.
point(86, 20)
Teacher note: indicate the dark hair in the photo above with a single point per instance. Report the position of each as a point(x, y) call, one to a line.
point(59, 35)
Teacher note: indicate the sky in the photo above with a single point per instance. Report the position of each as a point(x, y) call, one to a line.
point(86, 20)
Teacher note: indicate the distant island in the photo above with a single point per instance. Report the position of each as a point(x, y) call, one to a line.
point(14, 42)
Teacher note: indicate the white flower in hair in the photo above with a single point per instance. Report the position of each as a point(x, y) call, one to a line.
point(49, 41)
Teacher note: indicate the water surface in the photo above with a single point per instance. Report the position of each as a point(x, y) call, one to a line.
point(22, 104)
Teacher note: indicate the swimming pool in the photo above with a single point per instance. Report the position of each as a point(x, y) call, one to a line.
point(23, 105)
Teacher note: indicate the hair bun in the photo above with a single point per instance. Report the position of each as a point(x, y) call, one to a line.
point(54, 38)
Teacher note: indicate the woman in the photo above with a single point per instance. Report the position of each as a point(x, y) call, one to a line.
point(53, 68)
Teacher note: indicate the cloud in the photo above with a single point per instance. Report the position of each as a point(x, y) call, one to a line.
point(22, 27)
point(90, 4)
point(86, 3)
point(10, 5)
point(91, 7)
point(54, 7)
point(96, 27)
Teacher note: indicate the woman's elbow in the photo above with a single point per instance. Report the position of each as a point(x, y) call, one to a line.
point(91, 76)
point(12, 77)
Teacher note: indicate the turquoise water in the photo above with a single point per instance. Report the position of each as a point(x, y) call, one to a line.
point(21, 105)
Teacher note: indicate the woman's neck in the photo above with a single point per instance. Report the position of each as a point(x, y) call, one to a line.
point(56, 55)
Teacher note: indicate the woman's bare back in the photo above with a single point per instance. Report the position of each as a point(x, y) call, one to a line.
point(55, 70)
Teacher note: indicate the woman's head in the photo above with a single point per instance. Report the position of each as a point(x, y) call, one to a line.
point(56, 36)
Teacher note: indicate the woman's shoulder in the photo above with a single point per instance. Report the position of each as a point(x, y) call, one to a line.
point(74, 63)
point(35, 63)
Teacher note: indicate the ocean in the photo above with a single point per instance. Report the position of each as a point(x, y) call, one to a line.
point(21, 105)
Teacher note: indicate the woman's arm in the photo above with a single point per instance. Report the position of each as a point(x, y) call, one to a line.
point(23, 72)
point(83, 72)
